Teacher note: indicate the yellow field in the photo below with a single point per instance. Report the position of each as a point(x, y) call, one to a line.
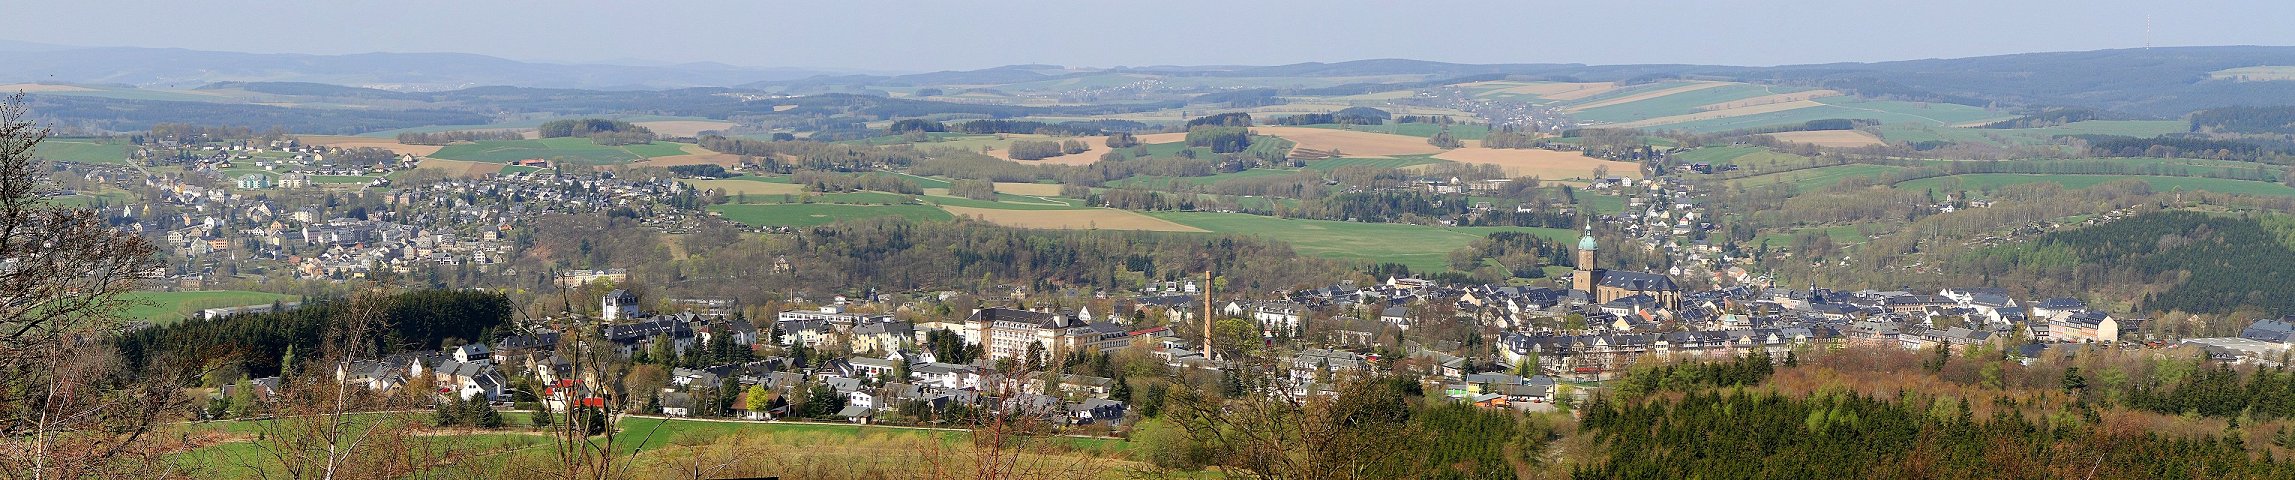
point(1831, 138)
point(744, 186)
point(41, 88)
point(1642, 96)
point(684, 128)
point(344, 141)
point(459, 168)
point(1709, 115)
point(1769, 99)
point(1351, 143)
point(1034, 189)
point(1092, 219)
point(1544, 164)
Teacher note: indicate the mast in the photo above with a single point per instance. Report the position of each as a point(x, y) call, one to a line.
point(1207, 314)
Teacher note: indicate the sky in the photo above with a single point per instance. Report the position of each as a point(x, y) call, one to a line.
point(929, 35)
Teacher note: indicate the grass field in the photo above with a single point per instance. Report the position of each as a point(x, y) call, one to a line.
point(169, 307)
point(580, 151)
point(1420, 247)
point(1817, 178)
point(1915, 133)
point(1989, 181)
point(83, 150)
point(1071, 219)
point(748, 185)
point(1831, 138)
point(806, 215)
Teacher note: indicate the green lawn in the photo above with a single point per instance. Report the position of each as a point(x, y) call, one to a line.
point(1420, 247)
point(806, 215)
point(580, 151)
point(83, 150)
point(1817, 178)
point(1989, 181)
point(169, 307)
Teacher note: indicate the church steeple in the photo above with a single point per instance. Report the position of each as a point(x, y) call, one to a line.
point(1583, 278)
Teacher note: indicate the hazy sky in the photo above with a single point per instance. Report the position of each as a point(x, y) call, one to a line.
point(938, 35)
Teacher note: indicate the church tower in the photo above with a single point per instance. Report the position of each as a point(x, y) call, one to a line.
point(1583, 279)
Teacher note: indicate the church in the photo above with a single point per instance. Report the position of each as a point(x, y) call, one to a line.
point(1603, 286)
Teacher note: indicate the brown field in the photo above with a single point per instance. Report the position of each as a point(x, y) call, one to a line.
point(1831, 138)
point(41, 88)
point(1351, 143)
point(1769, 99)
point(684, 128)
point(1643, 96)
point(748, 187)
point(694, 155)
point(345, 141)
point(1035, 189)
point(1097, 218)
point(1544, 164)
point(459, 168)
point(1709, 115)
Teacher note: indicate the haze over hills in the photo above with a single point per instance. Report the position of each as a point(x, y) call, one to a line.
point(2145, 82)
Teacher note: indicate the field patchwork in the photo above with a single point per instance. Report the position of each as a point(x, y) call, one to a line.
point(1621, 100)
point(1420, 247)
point(1542, 163)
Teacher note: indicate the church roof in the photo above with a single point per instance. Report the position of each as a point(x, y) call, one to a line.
point(1587, 242)
point(1638, 281)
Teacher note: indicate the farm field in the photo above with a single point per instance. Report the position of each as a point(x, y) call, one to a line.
point(693, 155)
point(1541, 163)
point(1831, 138)
point(684, 128)
point(1461, 131)
point(1660, 90)
point(1033, 189)
point(1001, 147)
point(1680, 102)
point(357, 142)
point(1327, 165)
point(1886, 111)
point(1983, 182)
point(169, 307)
point(1004, 201)
point(806, 215)
point(1816, 178)
point(579, 151)
point(83, 150)
point(743, 185)
point(1162, 181)
point(1070, 219)
point(1915, 133)
point(1420, 247)
point(1350, 143)
point(459, 168)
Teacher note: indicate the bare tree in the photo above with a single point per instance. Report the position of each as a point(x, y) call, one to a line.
point(66, 411)
point(319, 425)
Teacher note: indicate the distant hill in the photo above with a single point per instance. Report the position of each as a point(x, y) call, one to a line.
point(169, 67)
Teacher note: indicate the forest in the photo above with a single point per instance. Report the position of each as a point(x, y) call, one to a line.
point(2207, 263)
point(2245, 119)
point(603, 131)
point(418, 320)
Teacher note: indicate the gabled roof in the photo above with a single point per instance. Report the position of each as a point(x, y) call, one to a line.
point(1639, 281)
